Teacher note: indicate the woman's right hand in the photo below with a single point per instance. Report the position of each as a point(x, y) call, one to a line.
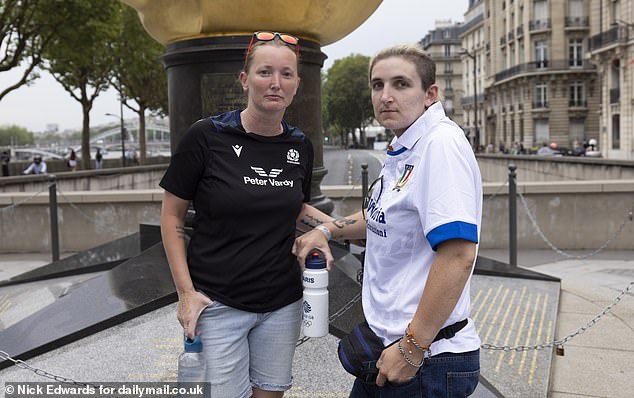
point(313, 239)
point(190, 305)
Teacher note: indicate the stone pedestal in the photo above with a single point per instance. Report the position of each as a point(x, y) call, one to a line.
point(202, 77)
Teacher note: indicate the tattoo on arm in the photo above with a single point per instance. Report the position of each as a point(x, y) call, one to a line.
point(342, 222)
point(180, 230)
point(311, 221)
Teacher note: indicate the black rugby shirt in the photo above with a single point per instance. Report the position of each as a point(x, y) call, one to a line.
point(248, 191)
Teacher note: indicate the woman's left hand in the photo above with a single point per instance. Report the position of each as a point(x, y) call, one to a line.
point(393, 368)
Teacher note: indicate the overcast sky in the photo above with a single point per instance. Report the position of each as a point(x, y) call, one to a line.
point(394, 21)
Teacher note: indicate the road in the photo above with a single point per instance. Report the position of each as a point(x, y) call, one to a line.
point(344, 166)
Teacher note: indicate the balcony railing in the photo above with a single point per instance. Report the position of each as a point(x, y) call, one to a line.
point(540, 104)
point(541, 66)
point(578, 103)
point(469, 99)
point(577, 22)
point(444, 56)
point(614, 35)
point(519, 32)
point(615, 95)
point(538, 24)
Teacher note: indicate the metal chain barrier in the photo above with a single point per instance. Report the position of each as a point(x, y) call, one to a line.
point(496, 192)
point(91, 219)
point(334, 316)
point(23, 201)
point(353, 187)
point(628, 218)
point(23, 365)
point(561, 342)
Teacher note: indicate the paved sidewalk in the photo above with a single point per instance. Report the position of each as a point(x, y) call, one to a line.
point(597, 362)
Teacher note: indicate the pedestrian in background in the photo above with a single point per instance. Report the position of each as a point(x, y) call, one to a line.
point(37, 167)
point(248, 174)
point(72, 160)
point(422, 227)
point(5, 158)
point(98, 159)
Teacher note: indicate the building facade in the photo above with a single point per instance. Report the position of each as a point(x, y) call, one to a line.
point(474, 44)
point(443, 44)
point(611, 49)
point(540, 87)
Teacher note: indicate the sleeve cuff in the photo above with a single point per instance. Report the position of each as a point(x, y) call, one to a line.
point(452, 230)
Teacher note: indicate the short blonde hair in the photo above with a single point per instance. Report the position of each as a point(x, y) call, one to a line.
point(425, 67)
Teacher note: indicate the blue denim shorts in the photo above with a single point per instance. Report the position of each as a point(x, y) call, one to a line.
point(446, 375)
point(247, 349)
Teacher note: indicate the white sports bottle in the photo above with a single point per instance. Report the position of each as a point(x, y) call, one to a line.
point(315, 307)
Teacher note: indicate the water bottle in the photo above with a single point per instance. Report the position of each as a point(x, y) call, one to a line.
point(191, 364)
point(315, 308)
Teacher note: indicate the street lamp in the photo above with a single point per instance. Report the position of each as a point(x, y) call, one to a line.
point(475, 98)
point(122, 133)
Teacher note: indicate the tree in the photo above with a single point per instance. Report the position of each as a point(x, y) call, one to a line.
point(347, 97)
point(26, 26)
point(15, 135)
point(80, 56)
point(140, 76)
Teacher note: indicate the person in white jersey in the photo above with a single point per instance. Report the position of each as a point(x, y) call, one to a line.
point(422, 225)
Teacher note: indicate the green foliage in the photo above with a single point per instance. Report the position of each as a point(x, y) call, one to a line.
point(15, 135)
point(25, 29)
point(140, 76)
point(347, 104)
point(80, 56)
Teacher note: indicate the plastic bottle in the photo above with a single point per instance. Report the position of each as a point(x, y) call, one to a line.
point(315, 308)
point(191, 364)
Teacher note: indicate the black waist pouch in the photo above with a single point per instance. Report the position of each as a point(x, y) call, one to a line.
point(358, 352)
point(360, 349)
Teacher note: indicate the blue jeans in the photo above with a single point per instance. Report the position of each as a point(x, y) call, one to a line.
point(247, 349)
point(446, 375)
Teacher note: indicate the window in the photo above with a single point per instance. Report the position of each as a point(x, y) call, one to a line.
point(616, 132)
point(447, 50)
point(541, 54)
point(576, 131)
point(577, 95)
point(575, 52)
point(542, 133)
point(448, 68)
point(540, 7)
point(448, 84)
point(541, 99)
point(575, 9)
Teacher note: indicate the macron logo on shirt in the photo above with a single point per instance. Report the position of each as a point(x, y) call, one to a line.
point(237, 149)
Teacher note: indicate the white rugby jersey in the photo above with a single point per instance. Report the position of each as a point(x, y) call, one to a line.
point(430, 191)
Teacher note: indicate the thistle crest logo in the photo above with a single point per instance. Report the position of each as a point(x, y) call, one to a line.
point(292, 156)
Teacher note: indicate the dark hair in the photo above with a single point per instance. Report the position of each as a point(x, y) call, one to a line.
point(276, 42)
point(425, 67)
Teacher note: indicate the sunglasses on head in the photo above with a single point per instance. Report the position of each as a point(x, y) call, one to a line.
point(269, 36)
